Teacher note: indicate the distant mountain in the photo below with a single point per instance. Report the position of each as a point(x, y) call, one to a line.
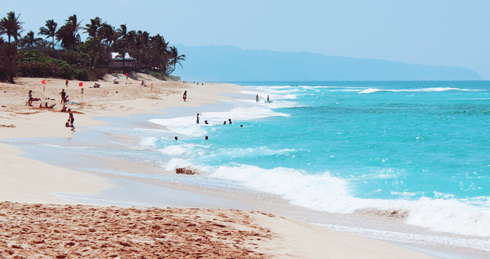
point(228, 63)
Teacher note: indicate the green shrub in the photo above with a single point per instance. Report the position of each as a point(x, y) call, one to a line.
point(36, 64)
point(80, 74)
point(65, 69)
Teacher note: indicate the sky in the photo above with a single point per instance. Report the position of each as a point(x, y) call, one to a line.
point(429, 32)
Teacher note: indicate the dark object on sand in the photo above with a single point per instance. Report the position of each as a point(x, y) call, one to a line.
point(184, 171)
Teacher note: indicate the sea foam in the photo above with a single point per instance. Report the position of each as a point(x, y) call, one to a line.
point(187, 125)
point(324, 192)
point(434, 89)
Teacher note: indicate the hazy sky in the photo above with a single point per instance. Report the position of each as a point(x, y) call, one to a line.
point(429, 32)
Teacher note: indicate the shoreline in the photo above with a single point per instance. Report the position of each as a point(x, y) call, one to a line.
point(153, 111)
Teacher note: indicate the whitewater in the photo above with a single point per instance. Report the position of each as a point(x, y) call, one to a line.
point(420, 149)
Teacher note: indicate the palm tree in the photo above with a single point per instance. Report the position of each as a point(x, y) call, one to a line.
point(68, 33)
point(175, 58)
point(160, 53)
point(122, 42)
point(108, 34)
point(93, 27)
point(11, 26)
point(30, 40)
point(49, 30)
point(9, 55)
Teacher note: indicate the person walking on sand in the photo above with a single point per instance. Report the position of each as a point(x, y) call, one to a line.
point(71, 119)
point(66, 83)
point(184, 96)
point(197, 119)
point(63, 95)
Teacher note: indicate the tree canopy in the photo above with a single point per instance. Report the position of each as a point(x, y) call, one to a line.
point(148, 52)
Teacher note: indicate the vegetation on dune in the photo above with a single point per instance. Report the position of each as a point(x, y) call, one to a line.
point(63, 54)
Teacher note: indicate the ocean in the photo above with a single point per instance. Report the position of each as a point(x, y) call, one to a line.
point(417, 148)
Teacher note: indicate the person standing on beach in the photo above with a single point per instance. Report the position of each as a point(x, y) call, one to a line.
point(71, 119)
point(184, 96)
point(66, 82)
point(63, 95)
point(197, 119)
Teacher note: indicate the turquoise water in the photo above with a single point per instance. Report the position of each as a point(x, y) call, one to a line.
point(422, 147)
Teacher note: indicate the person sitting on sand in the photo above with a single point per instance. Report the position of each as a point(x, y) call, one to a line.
point(64, 108)
point(29, 102)
point(143, 83)
point(115, 82)
point(63, 95)
point(67, 123)
point(96, 85)
point(184, 96)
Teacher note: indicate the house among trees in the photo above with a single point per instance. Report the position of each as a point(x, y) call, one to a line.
point(118, 60)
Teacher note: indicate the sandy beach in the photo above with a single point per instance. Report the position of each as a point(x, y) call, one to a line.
point(36, 223)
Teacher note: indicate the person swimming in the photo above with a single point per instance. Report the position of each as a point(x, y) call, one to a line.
point(206, 122)
point(267, 98)
point(224, 122)
point(229, 121)
point(241, 126)
point(206, 138)
point(257, 98)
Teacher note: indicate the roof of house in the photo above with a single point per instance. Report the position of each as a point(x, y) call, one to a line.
point(117, 56)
